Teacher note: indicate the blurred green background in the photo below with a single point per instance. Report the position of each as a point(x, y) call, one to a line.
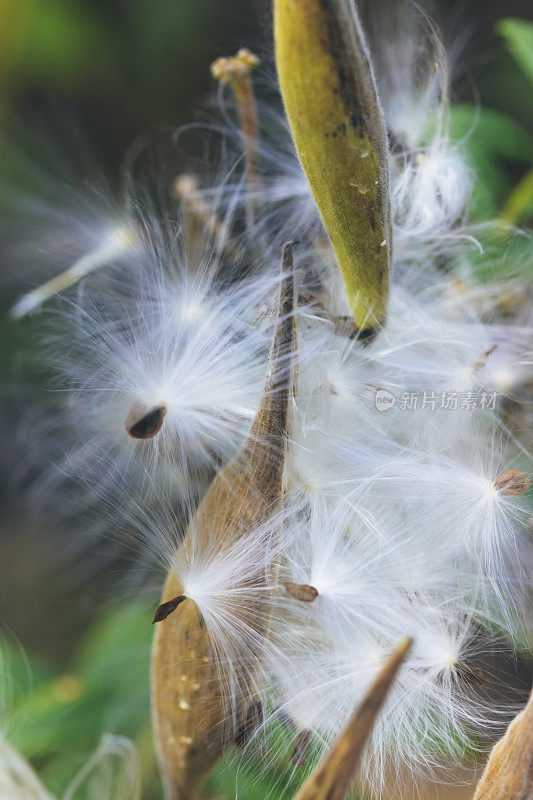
point(76, 639)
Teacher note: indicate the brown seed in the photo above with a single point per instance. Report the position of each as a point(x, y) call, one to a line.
point(512, 482)
point(167, 608)
point(250, 725)
point(143, 422)
point(301, 591)
point(472, 676)
point(300, 750)
point(482, 360)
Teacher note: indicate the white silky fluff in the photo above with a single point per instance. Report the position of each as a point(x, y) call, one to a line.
point(189, 336)
point(390, 511)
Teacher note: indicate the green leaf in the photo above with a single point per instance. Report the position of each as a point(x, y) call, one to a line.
point(518, 35)
point(491, 140)
point(519, 204)
point(63, 42)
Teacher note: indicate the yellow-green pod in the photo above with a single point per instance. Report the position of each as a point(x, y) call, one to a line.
point(337, 123)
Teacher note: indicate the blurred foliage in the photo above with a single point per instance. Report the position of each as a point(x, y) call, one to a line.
point(58, 719)
point(146, 54)
point(492, 142)
point(518, 34)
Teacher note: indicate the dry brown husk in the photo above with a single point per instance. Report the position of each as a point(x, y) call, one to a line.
point(192, 723)
point(508, 774)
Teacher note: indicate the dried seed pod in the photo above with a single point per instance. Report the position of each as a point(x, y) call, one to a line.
point(191, 721)
point(508, 774)
point(337, 123)
point(332, 778)
point(512, 482)
point(143, 422)
point(301, 591)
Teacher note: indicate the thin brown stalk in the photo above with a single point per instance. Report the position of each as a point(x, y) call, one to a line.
point(201, 222)
point(237, 72)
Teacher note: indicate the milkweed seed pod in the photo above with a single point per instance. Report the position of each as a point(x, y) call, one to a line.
point(337, 123)
point(199, 703)
point(509, 771)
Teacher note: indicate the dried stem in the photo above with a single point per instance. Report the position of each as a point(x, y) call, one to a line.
point(237, 72)
point(200, 220)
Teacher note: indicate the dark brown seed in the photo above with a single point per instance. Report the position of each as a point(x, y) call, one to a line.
point(167, 608)
point(250, 724)
point(472, 676)
point(512, 482)
point(482, 360)
point(300, 750)
point(301, 591)
point(143, 424)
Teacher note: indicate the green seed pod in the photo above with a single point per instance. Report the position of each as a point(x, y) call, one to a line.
point(337, 123)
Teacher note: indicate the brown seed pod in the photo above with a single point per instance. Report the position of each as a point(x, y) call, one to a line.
point(332, 778)
point(512, 482)
point(192, 725)
point(143, 422)
point(508, 774)
point(301, 591)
